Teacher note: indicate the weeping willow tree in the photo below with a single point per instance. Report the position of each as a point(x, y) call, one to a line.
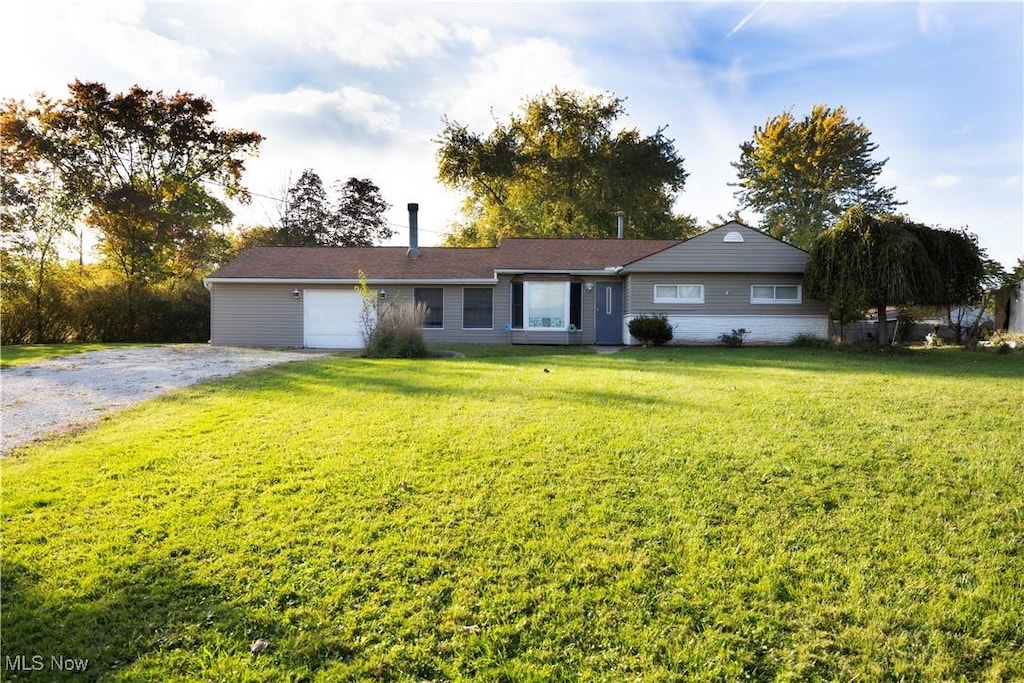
point(876, 261)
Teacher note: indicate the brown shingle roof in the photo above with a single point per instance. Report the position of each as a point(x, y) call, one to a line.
point(575, 254)
point(344, 263)
point(436, 263)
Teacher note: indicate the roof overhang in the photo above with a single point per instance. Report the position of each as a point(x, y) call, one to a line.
point(593, 272)
point(347, 281)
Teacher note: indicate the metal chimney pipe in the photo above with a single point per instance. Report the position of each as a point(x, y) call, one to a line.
point(622, 223)
point(414, 227)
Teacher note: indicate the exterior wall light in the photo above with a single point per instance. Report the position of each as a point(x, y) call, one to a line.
point(296, 294)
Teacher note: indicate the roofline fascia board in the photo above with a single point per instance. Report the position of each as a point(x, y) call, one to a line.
point(561, 271)
point(628, 270)
point(347, 281)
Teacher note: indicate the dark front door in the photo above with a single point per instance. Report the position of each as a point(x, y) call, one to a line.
point(608, 329)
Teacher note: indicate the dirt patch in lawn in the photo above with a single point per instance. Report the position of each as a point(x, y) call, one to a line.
point(61, 394)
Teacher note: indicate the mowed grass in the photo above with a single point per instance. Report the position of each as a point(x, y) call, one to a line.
point(683, 514)
point(20, 354)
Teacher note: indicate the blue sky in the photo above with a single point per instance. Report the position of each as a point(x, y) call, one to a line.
point(360, 89)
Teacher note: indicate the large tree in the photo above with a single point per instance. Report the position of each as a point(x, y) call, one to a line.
point(357, 219)
point(353, 218)
point(559, 169)
point(876, 261)
point(36, 216)
point(306, 213)
point(141, 164)
point(801, 175)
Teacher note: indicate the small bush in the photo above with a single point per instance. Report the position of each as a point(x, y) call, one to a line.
point(734, 338)
point(1002, 342)
point(810, 341)
point(1006, 337)
point(651, 330)
point(398, 332)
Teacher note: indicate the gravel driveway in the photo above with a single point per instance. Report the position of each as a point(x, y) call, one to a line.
point(53, 396)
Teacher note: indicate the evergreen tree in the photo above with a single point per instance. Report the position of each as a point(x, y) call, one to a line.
point(358, 216)
point(306, 216)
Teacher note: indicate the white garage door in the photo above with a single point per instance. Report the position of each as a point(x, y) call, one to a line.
point(331, 319)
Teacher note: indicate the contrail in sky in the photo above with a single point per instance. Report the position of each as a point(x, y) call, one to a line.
point(745, 19)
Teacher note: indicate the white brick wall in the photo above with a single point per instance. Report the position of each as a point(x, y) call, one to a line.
point(762, 329)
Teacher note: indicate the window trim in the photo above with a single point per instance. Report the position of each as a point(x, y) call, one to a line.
point(486, 289)
point(524, 306)
point(775, 301)
point(415, 302)
point(677, 299)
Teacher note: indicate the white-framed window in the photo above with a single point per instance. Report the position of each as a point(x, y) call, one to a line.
point(547, 305)
point(775, 294)
point(679, 294)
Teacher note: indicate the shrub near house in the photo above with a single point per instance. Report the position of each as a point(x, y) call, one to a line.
point(651, 330)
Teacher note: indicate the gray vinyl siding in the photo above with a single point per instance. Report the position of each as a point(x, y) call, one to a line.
point(724, 294)
point(255, 315)
point(707, 253)
point(554, 338)
point(453, 332)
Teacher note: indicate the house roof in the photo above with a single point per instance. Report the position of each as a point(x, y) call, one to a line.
point(517, 255)
point(574, 254)
point(344, 263)
point(435, 263)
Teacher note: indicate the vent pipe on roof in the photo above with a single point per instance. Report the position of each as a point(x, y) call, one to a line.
point(622, 223)
point(414, 238)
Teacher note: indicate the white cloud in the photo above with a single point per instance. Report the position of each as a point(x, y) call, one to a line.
point(933, 21)
point(502, 79)
point(372, 36)
point(305, 108)
point(104, 41)
point(476, 36)
point(944, 181)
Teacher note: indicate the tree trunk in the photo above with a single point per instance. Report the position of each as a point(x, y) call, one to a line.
point(40, 275)
point(883, 325)
point(961, 317)
point(131, 311)
point(38, 313)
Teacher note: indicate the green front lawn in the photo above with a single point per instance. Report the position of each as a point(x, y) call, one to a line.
point(29, 353)
point(683, 514)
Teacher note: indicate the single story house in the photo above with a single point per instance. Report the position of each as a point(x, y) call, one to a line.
point(525, 291)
